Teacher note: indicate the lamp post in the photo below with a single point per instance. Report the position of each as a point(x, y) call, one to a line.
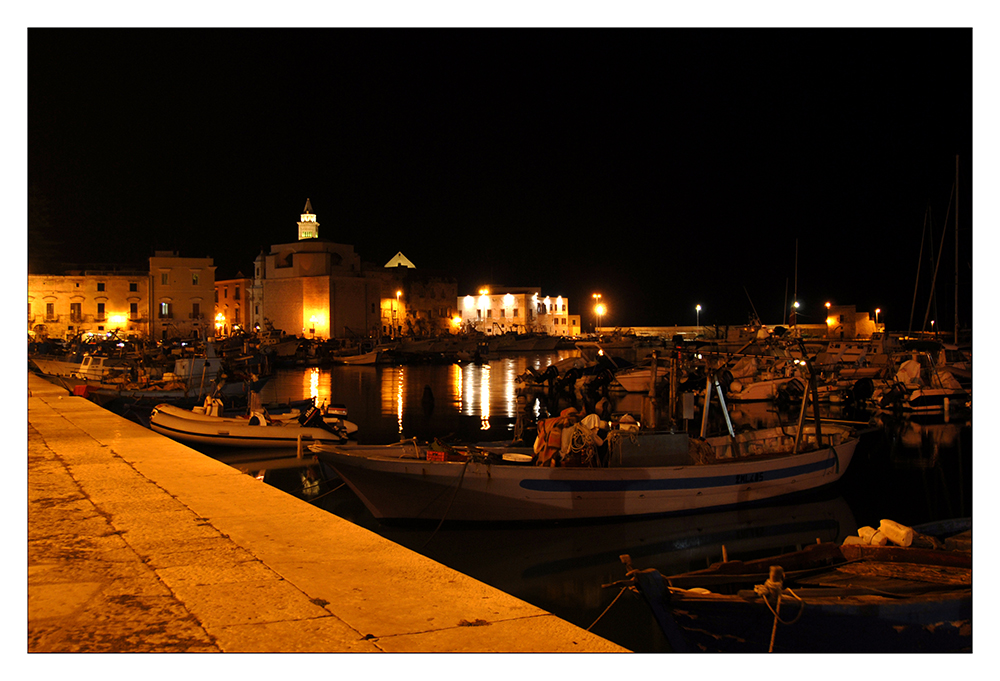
point(598, 309)
point(877, 310)
point(697, 316)
point(398, 293)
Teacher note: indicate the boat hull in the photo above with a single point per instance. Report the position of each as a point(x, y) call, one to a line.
point(395, 488)
point(887, 599)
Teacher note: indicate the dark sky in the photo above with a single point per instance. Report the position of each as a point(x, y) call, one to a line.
point(661, 167)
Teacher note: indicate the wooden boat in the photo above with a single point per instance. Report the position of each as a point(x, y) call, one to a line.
point(828, 598)
point(256, 430)
point(645, 474)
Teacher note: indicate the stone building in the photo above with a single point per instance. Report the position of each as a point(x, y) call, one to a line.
point(314, 287)
point(517, 309)
point(415, 302)
point(844, 321)
point(182, 294)
point(233, 305)
point(95, 302)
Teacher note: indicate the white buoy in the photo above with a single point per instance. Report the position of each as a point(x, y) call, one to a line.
point(896, 532)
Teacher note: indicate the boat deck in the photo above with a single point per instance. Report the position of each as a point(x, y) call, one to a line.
point(137, 543)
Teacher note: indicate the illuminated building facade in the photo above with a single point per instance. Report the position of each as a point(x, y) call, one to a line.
point(314, 288)
point(519, 310)
point(182, 294)
point(232, 305)
point(415, 302)
point(88, 302)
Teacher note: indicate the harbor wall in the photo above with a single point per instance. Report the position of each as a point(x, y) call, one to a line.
point(137, 543)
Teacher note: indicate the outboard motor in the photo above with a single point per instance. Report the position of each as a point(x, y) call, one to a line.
point(862, 390)
point(313, 418)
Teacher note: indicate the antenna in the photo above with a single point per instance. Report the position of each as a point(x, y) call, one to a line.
point(751, 303)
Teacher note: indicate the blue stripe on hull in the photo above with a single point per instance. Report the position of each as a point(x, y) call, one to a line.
point(646, 485)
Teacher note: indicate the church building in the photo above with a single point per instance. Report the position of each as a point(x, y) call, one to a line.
point(314, 287)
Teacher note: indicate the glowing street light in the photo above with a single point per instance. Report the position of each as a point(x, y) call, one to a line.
point(599, 308)
point(697, 315)
point(398, 294)
point(877, 310)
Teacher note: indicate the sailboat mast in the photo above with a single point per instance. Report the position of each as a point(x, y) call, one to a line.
point(956, 249)
point(795, 287)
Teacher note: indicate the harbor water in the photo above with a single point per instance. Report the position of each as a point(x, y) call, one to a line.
point(908, 470)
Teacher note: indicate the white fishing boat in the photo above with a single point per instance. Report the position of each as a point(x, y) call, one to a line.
point(257, 429)
point(919, 385)
point(637, 379)
point(646, 474)
point(363, 359)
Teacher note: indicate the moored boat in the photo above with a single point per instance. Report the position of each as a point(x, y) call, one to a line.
point(258, 429)
point(643, 474)
point(829, 598)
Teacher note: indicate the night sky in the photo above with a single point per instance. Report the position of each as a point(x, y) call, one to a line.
point(663, 168)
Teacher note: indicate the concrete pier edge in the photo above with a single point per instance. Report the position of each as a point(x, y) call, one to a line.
point(136, 543)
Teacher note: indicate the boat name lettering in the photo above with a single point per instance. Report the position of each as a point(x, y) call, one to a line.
point(749, 477)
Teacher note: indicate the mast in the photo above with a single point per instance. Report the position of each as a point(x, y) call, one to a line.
point(956, 249)
point(920, 258)
point(795, 285)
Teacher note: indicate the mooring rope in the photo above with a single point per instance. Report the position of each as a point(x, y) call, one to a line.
point(624, 589)
point(465, 467)
point(774, 587)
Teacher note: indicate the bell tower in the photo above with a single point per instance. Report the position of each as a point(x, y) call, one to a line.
point(308, 227)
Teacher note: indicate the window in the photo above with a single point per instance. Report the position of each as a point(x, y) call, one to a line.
point(195, 310)
point(216, 295)
point(100, 312)
point(75, 312)
point(236, 316)
point(194, 278)
point(516, 313)
point(133, 310)
point(236, 293)
point(164, 278)
point(133, 287)
point(100, 286)
point(165, 311)
point(225, 292)
point(503, 313)
point(50, 311)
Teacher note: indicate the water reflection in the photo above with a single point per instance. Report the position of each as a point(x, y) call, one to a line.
point(912, 470)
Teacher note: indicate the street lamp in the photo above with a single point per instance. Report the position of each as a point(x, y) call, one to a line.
point(697, 315)
point(795, 307)
point(398, 294)
point(598, 309)
point(877, 310)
